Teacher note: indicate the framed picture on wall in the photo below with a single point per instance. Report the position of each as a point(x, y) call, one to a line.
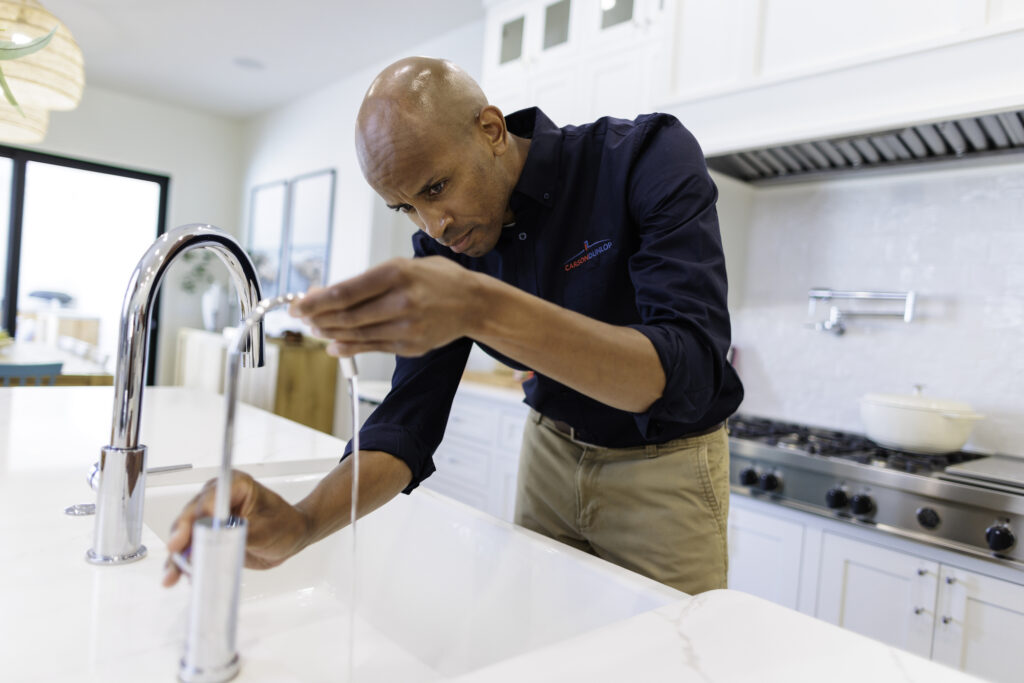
point(310, 210)
point(267, 220)
point(290, 232)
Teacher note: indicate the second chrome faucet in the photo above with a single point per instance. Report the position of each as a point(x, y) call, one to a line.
point(117, 537)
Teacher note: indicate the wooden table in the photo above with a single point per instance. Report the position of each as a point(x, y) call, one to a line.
point(75, 371)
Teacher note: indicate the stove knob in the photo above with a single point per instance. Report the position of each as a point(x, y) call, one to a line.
point(748, 476)
point(999, 537)
point(769, 482)
point(861, 504)
point(836, 498)
point(928, 518)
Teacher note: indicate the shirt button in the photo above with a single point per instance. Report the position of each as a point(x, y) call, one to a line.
point(547, 195)
point(522, 236)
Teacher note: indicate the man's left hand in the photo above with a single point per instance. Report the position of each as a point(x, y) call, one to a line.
point(403, 306)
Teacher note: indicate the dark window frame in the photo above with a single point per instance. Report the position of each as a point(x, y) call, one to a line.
point(20, 158)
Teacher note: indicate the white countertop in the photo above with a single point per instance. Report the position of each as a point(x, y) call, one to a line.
point(64, 619)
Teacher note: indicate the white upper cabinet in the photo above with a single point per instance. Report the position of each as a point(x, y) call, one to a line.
point(752, 73)
point(799, 37)
point(743, 74)
point(577, 59)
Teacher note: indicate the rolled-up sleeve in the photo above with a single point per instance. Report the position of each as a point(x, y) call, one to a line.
point(679, 273)
point(410, 422)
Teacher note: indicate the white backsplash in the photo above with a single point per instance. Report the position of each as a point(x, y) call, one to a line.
point(955, 236)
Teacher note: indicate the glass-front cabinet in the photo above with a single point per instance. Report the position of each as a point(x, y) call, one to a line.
point(576, 59)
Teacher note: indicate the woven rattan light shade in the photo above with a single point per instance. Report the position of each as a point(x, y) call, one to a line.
point(52, 78)
point(22, 130)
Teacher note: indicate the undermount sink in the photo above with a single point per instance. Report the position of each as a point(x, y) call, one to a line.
point(444, 590)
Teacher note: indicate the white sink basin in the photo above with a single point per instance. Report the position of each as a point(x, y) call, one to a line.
point(443, 590)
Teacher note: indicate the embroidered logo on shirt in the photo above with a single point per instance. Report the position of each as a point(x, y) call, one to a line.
point(590, 251)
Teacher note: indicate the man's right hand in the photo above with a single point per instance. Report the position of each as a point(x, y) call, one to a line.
point(277, 529)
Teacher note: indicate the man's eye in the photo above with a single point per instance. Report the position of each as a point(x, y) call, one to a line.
point(403, 208)
point(437, 188)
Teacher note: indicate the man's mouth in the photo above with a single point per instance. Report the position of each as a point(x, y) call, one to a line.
point(458, 245)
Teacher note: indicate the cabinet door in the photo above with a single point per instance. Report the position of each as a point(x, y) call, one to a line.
point(979, 625)
point(880, 593)
point(505, 469)
point(509, 54)
point(764, 556)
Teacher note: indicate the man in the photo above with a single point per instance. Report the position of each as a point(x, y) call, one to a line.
point(588, 254)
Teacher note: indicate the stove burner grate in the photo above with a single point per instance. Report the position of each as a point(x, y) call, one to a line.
point(844, 445)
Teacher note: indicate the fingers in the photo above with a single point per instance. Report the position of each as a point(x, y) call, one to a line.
point(349, 293)
point(202, 506)
point(382, 309)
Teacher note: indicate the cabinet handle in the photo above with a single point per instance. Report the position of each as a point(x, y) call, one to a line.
point(919, 610)
point(922, 572)
point(950, 580)
point(946, 620)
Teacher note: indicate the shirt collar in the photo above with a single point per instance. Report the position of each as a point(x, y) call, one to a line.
point(539, 178)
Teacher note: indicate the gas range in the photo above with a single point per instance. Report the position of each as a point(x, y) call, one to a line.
point(968, 502)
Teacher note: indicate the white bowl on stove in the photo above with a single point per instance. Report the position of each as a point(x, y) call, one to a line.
point(917, 423)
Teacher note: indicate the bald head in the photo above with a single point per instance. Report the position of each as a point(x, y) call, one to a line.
point(433, 97)
point(432, 148)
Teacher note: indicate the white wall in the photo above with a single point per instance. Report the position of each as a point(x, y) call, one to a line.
point(954, 236)
point(317, 132)
point(200, 152)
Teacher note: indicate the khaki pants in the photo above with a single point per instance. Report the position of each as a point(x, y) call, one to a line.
point(659, 510)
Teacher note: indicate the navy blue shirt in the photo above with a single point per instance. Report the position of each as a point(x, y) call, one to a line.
point(615, 220)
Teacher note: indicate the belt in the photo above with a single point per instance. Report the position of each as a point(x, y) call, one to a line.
point(569, 431)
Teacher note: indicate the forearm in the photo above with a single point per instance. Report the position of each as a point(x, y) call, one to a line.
point(329, 506)
point(615, 365)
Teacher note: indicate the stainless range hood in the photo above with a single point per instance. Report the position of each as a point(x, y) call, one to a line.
point(906, 148)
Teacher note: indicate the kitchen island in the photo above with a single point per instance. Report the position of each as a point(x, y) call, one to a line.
point(64, 619)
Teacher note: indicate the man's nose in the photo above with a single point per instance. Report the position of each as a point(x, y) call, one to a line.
point(436, 224)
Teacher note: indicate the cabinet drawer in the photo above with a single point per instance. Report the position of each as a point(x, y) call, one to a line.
point(463, 460)
point(472, 423)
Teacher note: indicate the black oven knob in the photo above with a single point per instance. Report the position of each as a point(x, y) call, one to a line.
point(928, 518)
point(999, 537)
point(836, 498)
point(861, 504)
point(749, 476)
point(769, 482)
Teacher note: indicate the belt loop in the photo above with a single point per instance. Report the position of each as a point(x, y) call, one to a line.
point(537, 417)
point(651, 450)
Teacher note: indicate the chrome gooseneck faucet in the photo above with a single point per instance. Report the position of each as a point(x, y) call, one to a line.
point(122, 466)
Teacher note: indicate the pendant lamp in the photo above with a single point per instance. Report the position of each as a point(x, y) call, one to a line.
point(22, 130)
point(52, 78)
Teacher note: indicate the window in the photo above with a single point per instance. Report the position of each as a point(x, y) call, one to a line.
point(74, 231)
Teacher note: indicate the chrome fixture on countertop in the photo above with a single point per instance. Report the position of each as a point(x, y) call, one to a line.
point(218, 545)
point(967, 502)
point(122, 465)
point(218, 542)
point(835, 323)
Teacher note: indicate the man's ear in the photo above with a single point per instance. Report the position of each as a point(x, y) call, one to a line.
point(491, 123)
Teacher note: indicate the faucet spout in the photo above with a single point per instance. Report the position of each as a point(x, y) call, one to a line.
point(133, 339)
point(122, 466)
